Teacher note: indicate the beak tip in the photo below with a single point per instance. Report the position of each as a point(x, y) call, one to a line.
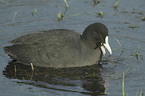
point(111, 53)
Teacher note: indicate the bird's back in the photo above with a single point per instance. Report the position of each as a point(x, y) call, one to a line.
point(52, 48)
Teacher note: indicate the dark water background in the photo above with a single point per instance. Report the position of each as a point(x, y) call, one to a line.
point(126, 24)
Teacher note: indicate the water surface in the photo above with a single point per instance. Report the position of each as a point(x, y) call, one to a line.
point(20, 17)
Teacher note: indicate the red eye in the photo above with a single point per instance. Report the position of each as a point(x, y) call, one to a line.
point(101, 37)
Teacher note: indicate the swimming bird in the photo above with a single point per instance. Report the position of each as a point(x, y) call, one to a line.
point(61, 48)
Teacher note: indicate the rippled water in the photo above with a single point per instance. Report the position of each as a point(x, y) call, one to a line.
point(126, 24)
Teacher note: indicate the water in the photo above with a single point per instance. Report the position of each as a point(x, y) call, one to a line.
point(20, 17)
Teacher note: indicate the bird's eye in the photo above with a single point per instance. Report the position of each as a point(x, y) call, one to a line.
point(101, 38)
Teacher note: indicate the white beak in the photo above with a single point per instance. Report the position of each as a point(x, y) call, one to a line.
point(107, 46)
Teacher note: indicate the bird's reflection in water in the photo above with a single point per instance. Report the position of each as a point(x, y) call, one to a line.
point(87, 78)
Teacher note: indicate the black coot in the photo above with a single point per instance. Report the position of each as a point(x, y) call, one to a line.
point(61, 48)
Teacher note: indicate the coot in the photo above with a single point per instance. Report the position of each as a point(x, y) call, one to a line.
point(61, 48)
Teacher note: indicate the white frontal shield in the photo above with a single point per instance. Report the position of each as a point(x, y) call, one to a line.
point(107, 46)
